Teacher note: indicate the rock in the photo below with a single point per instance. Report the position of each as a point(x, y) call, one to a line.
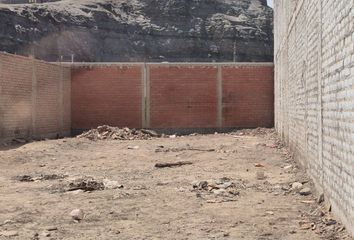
point(296, 186)
point(79, 191)
point(9, 233)
point(77, 214)
point(108, 184)
point(305, 191)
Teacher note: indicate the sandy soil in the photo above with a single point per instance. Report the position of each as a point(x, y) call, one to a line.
point(38, 191)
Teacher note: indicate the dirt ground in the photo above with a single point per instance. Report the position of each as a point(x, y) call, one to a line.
point(220, 193)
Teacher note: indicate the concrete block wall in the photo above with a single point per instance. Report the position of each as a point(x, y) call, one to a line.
point(314, 93)
point(178, 96)
point(34, 98)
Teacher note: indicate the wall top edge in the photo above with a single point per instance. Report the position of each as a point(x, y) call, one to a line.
point(87, 64)
point(31, 58)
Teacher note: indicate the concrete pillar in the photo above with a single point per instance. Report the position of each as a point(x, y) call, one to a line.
point(61, 101)
point(145, 96)
point(1, 103)
point(34, 100)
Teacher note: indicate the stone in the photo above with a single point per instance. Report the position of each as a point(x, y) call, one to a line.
point(77, 214)
point(305, 191)
point(109, 184)
point(296, 186)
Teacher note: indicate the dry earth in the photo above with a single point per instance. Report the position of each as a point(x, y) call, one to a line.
point(42, 182)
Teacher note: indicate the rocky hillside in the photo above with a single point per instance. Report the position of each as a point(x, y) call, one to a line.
point(139, 30)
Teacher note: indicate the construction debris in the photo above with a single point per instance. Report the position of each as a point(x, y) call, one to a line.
point(86, 184)
point(42, 177)
point(218, 191)
point(114, 133)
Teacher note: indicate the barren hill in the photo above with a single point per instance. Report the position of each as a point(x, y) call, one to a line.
point(139, 30)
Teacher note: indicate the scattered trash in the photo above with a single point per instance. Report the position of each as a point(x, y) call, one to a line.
point(169, 165)
point(133, 147)
point(114, 133)
point(77, 214)
point(258, 165)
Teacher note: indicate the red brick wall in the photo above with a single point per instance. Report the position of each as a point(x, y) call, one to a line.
point(31, 101)
point(183, 96)
point(175, 95)
point(248, 96)
point(106, 95)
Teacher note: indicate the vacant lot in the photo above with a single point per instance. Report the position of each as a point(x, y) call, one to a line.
point(232, 186)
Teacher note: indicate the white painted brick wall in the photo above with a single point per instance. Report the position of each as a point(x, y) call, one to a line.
point(314, 93)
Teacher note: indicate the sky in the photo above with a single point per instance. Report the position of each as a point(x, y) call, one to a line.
point(270, 3)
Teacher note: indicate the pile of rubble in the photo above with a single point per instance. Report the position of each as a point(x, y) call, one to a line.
point(218, 191)
point(114, 133)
